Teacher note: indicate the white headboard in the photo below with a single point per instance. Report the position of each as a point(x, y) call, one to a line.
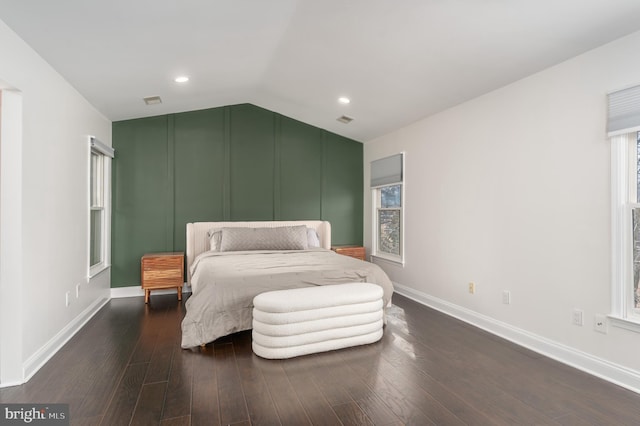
point(198, 241)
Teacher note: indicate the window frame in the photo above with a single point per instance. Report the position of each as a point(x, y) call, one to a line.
point(376, 207)
point(99, 197)
point(624, 199)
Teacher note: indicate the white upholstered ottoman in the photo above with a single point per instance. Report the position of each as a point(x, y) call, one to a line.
point(288, 323)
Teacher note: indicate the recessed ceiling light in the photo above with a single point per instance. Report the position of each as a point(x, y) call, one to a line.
point(181, 79)
point(344, 100)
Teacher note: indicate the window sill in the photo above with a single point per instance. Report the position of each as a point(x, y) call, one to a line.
point(397, 262)
point(625, 323)
point(97, 270)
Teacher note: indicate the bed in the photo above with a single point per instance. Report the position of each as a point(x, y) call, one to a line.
point(225, 280)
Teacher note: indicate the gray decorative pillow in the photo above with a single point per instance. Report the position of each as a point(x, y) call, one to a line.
point(282, 238)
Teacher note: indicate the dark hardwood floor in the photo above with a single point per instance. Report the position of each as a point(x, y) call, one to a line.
point(126, 367)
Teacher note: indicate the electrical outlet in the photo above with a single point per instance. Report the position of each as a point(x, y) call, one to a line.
point(506, 297)
point(576, 318)
point(600, 323)
point(472, 288)
point(77, 291)
point(67, 298)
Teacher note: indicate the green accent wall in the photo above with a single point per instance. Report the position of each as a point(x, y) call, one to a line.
point(239, 162)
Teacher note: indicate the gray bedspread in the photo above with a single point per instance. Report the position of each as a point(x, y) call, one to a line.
point(225, 283)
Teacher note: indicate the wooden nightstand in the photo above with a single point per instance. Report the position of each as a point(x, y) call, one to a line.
point(351, 251)
point(161, 270)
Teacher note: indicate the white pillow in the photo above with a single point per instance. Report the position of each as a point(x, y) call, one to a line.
point(215, 235)
point(312, 238)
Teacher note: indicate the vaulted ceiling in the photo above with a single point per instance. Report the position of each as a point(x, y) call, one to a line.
point(397, 60)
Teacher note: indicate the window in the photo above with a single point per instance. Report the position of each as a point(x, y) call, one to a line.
point(99, 168)
point(623, 126)
point(634, 142)
point(97, 209)
point(626, 227)
point(388, 201)
point(389, 213)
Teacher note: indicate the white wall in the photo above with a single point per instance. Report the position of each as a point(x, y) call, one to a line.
point(10, 234)
point(512, 191)
point(53, 238)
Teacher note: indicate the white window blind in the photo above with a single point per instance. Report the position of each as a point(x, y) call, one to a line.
point(386, 171)
point(623, 111)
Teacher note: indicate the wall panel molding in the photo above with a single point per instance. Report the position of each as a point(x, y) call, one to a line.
point(238, 162)
point(171, 187)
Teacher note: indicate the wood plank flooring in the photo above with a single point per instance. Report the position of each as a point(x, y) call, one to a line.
point(126, 367)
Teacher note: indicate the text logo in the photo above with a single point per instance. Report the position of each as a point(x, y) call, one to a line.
point(34, 414)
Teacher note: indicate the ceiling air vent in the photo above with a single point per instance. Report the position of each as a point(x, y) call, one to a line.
point(152, 100)
point(345, 119)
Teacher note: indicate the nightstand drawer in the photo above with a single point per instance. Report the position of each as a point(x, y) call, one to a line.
point(156, 267)
point(160, 275)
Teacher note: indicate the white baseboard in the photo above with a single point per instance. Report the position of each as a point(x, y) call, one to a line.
point(38, 359)
point(137, 291)
point(614, 373)
point(10, 384)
